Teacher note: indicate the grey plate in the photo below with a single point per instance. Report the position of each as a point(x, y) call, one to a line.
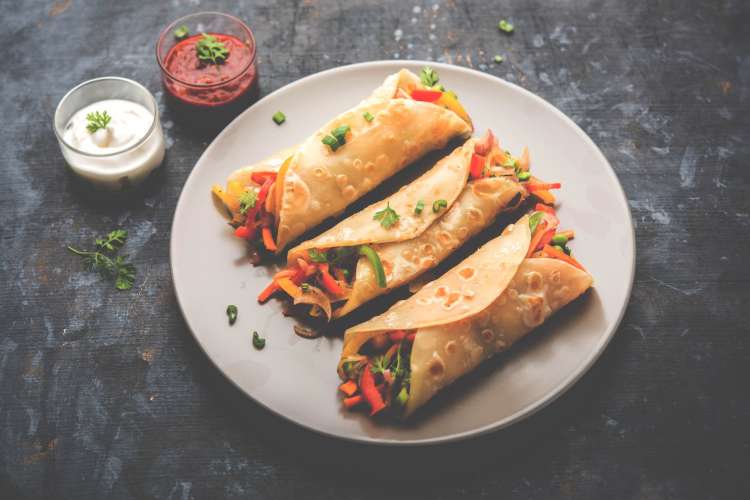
point(296, 378)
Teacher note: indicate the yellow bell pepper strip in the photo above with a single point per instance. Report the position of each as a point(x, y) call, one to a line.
point(375, 262)
point(452, 103)
point(279, 191)
point(476, 169)
point(289, 287)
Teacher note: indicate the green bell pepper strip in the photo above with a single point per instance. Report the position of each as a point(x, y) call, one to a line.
point(372, 256)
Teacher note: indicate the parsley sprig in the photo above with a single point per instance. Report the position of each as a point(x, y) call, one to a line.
point(105, 261)
point(248, 200)
point(429, 77)
point(210, 49)
point(387, 217)
point(97, 120)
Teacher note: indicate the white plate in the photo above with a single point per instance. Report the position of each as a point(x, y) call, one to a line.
point(296, 378)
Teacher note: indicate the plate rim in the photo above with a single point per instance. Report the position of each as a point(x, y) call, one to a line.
point(519, 415)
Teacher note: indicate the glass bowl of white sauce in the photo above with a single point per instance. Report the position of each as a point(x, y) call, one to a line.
point(109, 132)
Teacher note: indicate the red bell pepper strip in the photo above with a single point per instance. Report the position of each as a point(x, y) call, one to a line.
point(541, 207)
point(369, 391)
point(546, 238)
point(542, 187)
point(242, 232)
point(426, 95)
point(263, 193)
point(410, 338)
point(397, 335)
point(262, 177)
point(476, 170)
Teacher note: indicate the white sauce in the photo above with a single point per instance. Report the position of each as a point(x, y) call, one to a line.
point(130, 122)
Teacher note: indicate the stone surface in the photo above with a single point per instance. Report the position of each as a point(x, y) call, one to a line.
point(106, 395)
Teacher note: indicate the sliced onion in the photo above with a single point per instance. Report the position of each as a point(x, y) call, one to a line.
point(315, 296)
point(306, 332)
point(484, 145)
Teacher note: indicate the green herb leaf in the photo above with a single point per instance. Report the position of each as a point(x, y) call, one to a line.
point(97, 120)
point(181, 32)
point(279, 117)
point(403, 396)
point(524, 176)
point(368, 116)
point(317, 255)
point(379, 364)
point(505, 26)
point(419, 207)
point(439, 204)
point(534, 221)
point(387, 217)
point(498, 58)
point(248, 200)
point(114, 268)
point(210, 49)
point(232, 313)
point(258, 342)
point(428, 76)
point(113, 241)
point(305, 287)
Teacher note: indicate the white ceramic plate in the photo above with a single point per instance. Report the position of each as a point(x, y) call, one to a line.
point(296, 378)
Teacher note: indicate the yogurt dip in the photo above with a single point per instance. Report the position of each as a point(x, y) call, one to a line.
point(110, 132)
point(126, 123)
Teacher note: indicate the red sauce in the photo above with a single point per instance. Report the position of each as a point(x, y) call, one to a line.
point(203, 83)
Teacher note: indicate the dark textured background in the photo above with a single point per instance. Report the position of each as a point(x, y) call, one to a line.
point(106, 395)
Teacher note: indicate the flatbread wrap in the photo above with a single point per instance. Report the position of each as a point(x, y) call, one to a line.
point(274, 202)
point(508, 287)
point(392, 242)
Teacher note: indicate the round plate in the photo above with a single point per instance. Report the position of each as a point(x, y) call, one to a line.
point(296, 378)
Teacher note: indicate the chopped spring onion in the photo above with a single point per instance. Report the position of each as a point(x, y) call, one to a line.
point(438, 204)
point(279, 117)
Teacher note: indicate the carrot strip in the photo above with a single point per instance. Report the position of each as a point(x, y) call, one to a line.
point(531, 187)
point(370, 392)
point(349, 387)
point(541, 207)
point(268, 291)
point(546, 238)
point(545, 196)
point(537, 237)
point(285, 273)
point(352, 401)
point(557, 254)
point(268, 239)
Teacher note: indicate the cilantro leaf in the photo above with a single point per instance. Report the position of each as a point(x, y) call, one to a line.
point(379, 365)
point(248, 200)
point(387, 217)
point(103, 261)
point(209, 48)
point(429, 77)
point(113, 241)
point(317, 255)
point(97, 120)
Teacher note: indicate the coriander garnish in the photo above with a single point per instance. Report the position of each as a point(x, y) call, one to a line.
point(279, 117)
point(524, 176)
point(438, 204)
point(387, 217)
point(247, 200)
point(210, 49)
point(368, 116)
point(258, 341)
point(419, 207)
point(317, 256)
point(505, 26)
point(232, 313)
point(97, 120)
point(104, 261)
point(429, 77)
point(337, 137)
point(181, 32)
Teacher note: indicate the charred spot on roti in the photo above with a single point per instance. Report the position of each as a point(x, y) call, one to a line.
point(428, 249)
point(445, 238)
point(533, 312)
point(467, 273)
point(534, 280)
point(407, 254)
point(357, 164)
point(369, 166)
point(463, 231)
point(450, 347)
point(436, 366)
point(319, 172)
point(452, 300)
point(349, 192)
point(427, 262)
point(555, 276)
point(441, 291)
point(342, 180)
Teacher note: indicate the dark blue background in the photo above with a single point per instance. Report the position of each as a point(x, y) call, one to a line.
point(106, 395)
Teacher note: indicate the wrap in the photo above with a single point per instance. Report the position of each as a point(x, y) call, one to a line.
point(418, 241)
point(477, 309)
point(386, 132)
